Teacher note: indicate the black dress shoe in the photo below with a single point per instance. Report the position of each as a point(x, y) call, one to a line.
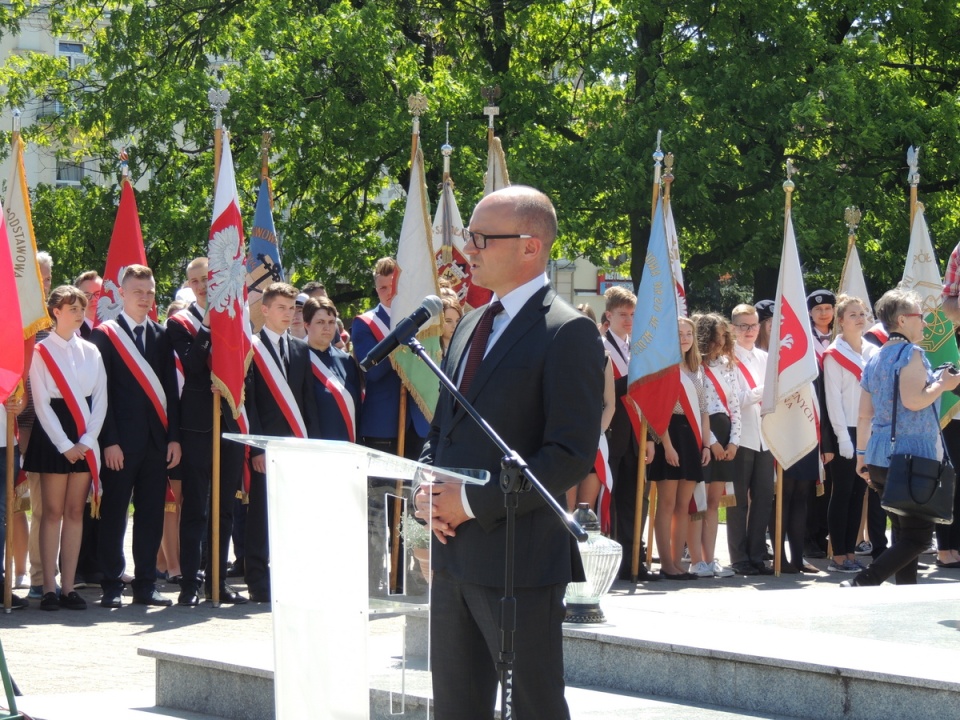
point(260, 596)
point(808, 568)
point(111, 599)
point(229, 596)
point(188, 598)
point(152, 598)
point(762, 568)
point(235, 569)
point(788, 569)
point(745, 568)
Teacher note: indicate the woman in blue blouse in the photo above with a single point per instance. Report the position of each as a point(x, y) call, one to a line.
point(918, 426)
point(336, 376)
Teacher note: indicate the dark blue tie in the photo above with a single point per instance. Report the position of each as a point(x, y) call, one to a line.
point(138, 339)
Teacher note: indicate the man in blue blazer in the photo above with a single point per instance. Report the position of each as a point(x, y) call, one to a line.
point(538, 380)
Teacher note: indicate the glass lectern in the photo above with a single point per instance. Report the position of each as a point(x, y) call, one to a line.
point(350, 573)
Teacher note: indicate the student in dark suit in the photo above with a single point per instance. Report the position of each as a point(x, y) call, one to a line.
point(540, 385)
point(189, 333)
point(336, 375)
point(140, 439)
point(280, 402)
point(379, 419)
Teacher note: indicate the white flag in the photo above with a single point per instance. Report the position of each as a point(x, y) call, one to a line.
point(852, 282)
point(789, 409)
point(673, 247)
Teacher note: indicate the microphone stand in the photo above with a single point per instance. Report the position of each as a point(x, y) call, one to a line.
point(515, 478)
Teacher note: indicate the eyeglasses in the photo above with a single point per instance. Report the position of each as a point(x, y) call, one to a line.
point(91, 296)
point(744, 327)
point(479, 240)
point(919, 315)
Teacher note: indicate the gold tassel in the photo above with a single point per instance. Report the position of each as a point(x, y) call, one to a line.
point(698, 515)
point(170, 507)
point(728, 501)
point(820, 490)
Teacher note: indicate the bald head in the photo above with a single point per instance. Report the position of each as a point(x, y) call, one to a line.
point(519, 225)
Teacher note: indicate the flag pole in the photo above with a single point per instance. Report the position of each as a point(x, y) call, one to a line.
point(642, 439)
point(913, 177)
point(218, 101)
point(8, 540)
point(788, 187)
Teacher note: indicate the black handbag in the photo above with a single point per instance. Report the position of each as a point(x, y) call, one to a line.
point(916, 485)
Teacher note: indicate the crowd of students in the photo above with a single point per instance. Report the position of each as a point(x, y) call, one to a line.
point(122, 410)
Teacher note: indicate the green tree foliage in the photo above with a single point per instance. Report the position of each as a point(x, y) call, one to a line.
point(843, 89)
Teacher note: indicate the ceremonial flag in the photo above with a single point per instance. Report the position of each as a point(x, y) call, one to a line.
point(452, 262)
point(922, 275)
point(655, 357)
point(231, 342)
point(263, 262)
point(496, 177)
point(851, 279)
point(22, 247)
point(789, 414)
point(126, 248)
point(416, 278)
point(673, 242)
point(11, 331)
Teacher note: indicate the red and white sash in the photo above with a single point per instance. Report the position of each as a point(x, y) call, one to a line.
point(747, 376)
point(80, 412)
point(720, 385)
point(273, 376)
point(602, 468)
point(334, 385)
point(691, 409)
point(621, 367)
point(379, 328)
point(191, 324)
point(845, 358)
point(137, 364)
point(879, 333)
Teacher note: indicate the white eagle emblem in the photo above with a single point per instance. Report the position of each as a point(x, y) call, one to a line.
point(110, 303)
point(227, 271)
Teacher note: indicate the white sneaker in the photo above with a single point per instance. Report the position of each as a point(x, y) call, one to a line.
point(720, 571)
point(22, 582)
point(701, 569)
point(686, 554)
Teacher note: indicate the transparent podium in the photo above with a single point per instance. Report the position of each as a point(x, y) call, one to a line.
point(350, 572)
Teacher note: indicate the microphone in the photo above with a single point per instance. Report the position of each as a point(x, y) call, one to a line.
point(430, 308)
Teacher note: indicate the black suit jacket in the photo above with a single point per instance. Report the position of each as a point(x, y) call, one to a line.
point(196, 399)
point(541, 388)
point(621, 437)
point(266, 417)
point(131, 422)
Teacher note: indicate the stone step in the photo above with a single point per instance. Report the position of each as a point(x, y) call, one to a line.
point(135, 705)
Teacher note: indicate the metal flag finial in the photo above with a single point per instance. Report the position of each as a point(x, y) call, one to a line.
point(913, 160)
point(417, 104)
point(16, 119)
point(658, 153)
point(218, 100)
point(852, 216)
point(491, 94)
point(788, 184)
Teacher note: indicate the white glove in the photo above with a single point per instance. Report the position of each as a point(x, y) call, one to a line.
point(845, 446)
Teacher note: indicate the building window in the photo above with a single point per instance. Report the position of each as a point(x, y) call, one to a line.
point(69, 173)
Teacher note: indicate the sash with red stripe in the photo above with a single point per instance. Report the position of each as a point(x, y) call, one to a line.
point(192, 324)
point(718, 385)
point(602, 468)
point(77, 405)
point(376, 325)
point(620, 366)
point(273, 376)
point(334, 385)
point(847, 363)
point(690, 404)
point(751, 383)
point(138, 366)
point(879, 333)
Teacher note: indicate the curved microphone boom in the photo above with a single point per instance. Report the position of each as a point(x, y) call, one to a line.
point(430, 308)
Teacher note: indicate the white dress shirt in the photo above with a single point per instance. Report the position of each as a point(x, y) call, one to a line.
point(756, 362)
point(80, 362)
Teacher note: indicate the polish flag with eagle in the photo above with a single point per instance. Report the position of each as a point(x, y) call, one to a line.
point(790, 416)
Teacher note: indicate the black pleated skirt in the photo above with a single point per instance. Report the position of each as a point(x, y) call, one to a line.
point(42, 455)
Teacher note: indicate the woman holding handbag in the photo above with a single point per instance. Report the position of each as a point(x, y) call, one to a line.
point(899, 413)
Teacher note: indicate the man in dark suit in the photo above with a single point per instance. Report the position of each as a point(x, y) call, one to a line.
point(90, 284)
point(140, 439)
point(279, 401)
point(189, 332)
point(540, 385)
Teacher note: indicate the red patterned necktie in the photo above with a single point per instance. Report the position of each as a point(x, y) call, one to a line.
point(478, 346)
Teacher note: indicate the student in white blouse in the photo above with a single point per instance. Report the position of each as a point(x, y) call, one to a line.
point(57, 451)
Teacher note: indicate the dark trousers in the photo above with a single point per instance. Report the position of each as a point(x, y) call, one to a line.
point(239, 535)
point(753, 485)
point(876, 523)
point(195, 512)
point(948, 536)
point(3, 500)
point(795, 491)
point(256, 560)
point(818, 508)
point(846, 502)
point(912, 536)
point(465, 626)
point(144, 478)
point(624, 504)
point(87, 563)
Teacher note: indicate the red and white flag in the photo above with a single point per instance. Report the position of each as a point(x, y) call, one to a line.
point(673, 247)
point(231, 342)
point(126, 248)
point(11, 329)
point(789, 412)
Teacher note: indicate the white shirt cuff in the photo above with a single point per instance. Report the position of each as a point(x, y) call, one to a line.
point(465, 502)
